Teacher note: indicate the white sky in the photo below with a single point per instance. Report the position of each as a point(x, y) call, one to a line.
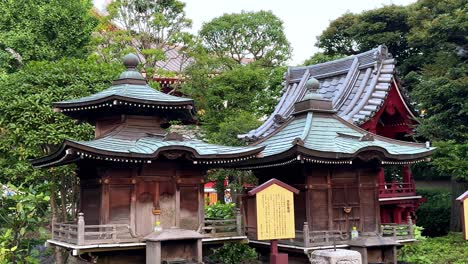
point(303, 20)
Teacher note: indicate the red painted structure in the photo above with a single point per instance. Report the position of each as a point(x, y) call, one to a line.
point(398, 200)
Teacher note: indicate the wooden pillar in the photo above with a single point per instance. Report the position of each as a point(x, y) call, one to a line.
point(397, 215)
point(199, 251)
point(381, 177)
point(239, 222)
point(201, 205)
point(306, 234)
point(406, 174)
point(81, 229)
point(177, 206)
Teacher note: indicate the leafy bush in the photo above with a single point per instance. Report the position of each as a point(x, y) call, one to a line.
point(219, 210)
point(22, 217)
point(233, 253)
point(450, 249)
point(434, 214)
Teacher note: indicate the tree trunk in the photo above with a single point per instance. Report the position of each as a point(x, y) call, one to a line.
point(63, 198)
point(458, 188)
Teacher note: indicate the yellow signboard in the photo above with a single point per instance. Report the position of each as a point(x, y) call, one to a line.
point(275, 213)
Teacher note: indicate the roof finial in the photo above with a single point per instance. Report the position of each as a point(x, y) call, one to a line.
point(312, 86)
point(130, 61)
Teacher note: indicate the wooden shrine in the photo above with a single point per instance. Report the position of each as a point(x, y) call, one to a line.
point(364, 90)
point(336, 167)
point(134, 173)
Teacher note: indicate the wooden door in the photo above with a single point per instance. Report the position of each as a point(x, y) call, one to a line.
point(345, 200)
point(146, 199)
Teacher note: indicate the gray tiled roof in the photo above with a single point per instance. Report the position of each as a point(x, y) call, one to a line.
point(358, 86)
point(330, 134)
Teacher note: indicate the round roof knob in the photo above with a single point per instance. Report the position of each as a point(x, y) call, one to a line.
point(131, 61)
point(312, 84)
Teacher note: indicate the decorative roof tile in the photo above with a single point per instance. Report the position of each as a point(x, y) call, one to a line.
point(358, 86)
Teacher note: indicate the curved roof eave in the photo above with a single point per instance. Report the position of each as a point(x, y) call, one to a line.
point(59, 157)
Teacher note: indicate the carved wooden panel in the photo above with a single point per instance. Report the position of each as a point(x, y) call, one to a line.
point(119, 204)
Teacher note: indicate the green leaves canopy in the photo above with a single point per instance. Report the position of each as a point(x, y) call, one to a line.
point(248, 35)
point(43, 30)
point(28, 125)
point(428, 38)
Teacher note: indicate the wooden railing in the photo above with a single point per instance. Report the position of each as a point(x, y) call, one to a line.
point(81, 234)
point(396, 189)
point(308, 238)
point(398, 231)
point(215, 227)
point(323, 237)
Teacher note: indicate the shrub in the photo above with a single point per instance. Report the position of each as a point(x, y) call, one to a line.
point(219, 210)
point(233, 253)
point(450, 249)
point(434, 214)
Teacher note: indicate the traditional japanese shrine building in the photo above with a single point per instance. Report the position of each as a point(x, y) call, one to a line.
point(336, 166)
point(364, 91)
point(135, 173)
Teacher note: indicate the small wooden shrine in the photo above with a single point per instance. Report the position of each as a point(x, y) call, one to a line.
point(364, 90)
point(336, 167)
point(134, 173)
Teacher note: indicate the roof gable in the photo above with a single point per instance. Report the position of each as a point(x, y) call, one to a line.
point(357, 86)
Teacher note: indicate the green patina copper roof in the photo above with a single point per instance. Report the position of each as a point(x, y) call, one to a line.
point(315, 131)
point(145, 148)
point(328, 133)
point(135, 92)
point(148, 146)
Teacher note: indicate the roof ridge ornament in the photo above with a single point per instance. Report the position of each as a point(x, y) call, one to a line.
point(312, 85)
point(131, 75)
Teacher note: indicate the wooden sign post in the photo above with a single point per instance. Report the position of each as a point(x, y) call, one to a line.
point(464, 213)
point(275, 215)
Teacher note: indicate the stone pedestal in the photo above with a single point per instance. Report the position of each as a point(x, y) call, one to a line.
point(376, 250)
point(173, 245)
point(330, 256)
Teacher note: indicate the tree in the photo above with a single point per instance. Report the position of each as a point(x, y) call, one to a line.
point(258, 36)
point(429, 40)
point(29, 128)
point(354, 33)
point(43, 30)
point(150, 28)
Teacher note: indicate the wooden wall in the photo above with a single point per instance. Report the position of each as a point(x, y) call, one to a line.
point(331, 197)
point(127, 194)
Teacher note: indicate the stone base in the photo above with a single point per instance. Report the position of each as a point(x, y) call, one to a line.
point(330, 256)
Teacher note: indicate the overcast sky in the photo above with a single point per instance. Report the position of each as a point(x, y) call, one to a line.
point(303, 20)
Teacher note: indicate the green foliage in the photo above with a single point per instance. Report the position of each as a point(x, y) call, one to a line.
point(248, 35)
point(220, 210)
point(29, 127)
point(23, 214)
point(434, 214)
point(428, 38)
point(450, 249)
point(149, 28)
point(233, 101)
point(234, 253)
point(43, 30)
